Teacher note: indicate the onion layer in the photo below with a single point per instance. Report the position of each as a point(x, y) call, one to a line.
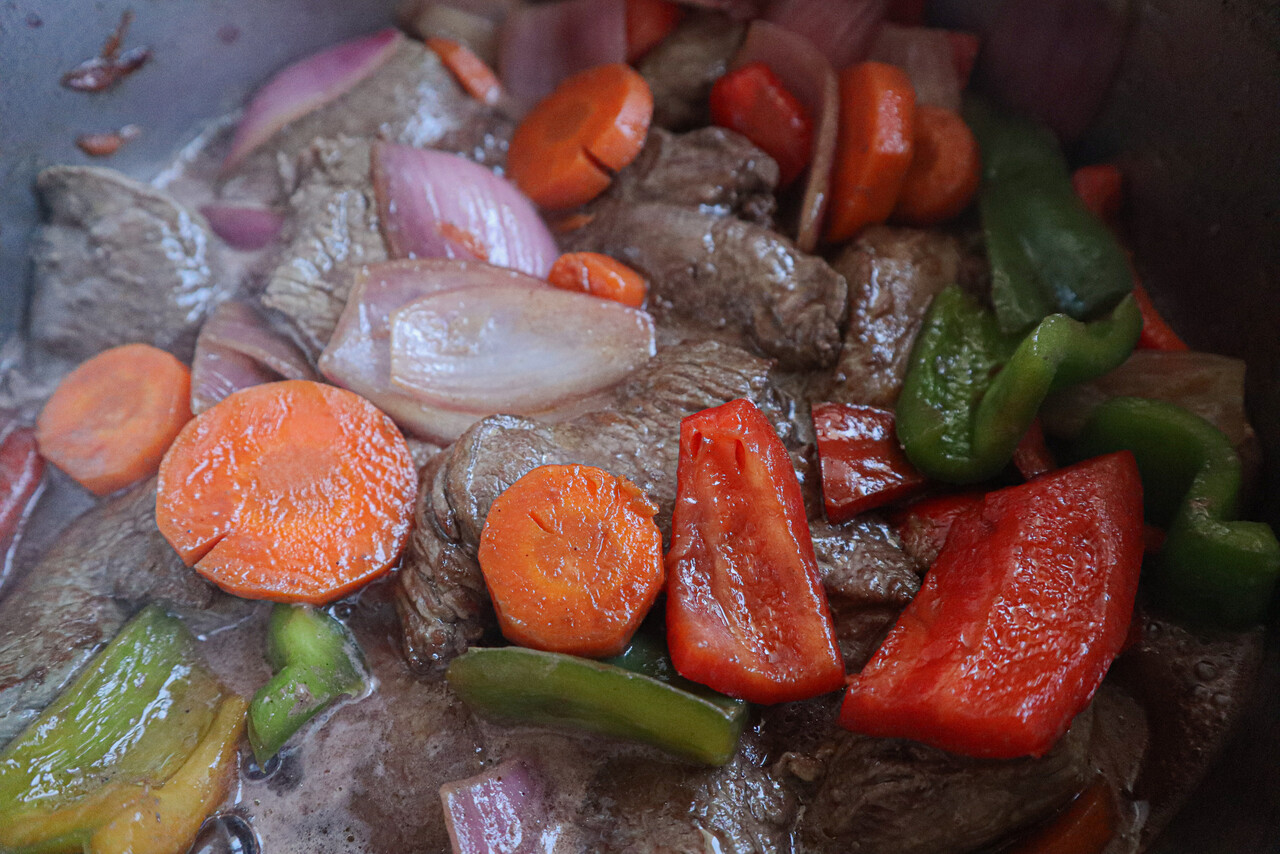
point(843, 30)
point(236, 349)
point(928, 57)
point(502, 810)
point(545, 43)
point(437, 205)
point(307, 85)
point(808, 75)
point(244, 227)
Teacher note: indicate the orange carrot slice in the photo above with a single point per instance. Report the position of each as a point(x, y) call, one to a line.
point(110, 420)
point(572, 559)
point(565, 151)
point(944, 172)
point(600, 276)
point(648, 23)
point(292, 491)
point(469, 70)
point(873, 151)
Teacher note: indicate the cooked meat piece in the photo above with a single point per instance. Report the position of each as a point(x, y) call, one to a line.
point(683, 67)
point(332, 231)
point(713, 169)
point(718, 273)
point(1118, 750)
point(442, 599)
point(893, 275)
point(119, 262)
point(893, 796)
point(412, 99)
point(107, 564)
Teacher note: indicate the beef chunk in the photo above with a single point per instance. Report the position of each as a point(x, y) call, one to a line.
point(893, 275)
point(442, 599)
point(119, 262)
point(713, 169)
point(682, 68)
point(721, 274)
point(106, 565)
point(331, 233)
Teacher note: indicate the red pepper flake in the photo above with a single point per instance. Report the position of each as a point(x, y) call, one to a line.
point(106, 144)
point(109, 67)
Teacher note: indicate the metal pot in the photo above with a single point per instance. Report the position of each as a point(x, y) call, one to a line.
point(1193, 118)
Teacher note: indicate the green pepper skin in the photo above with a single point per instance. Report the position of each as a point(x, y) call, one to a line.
point(971, 390)
point(550, 689)
point(1210, 568)
point(316, 661)
point(1048, 253)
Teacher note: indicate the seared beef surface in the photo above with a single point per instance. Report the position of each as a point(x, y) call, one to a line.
point(119, 262)
point(682, 68)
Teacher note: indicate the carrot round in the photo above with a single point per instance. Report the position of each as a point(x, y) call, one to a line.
point(572, 559)
point(648, 23)
point(873, 148)
point(292, 491)
point(565, 151)
point(110, 420)
point(600, 276)
point(944, 172)
point(469, 70)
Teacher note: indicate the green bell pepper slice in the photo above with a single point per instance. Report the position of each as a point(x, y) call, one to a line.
point(629, 699)
point(972, 390)
point(316, 660)
point(1048, 253)
point(131, 718)
point(1211, 568)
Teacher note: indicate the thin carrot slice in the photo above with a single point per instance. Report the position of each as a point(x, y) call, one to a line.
point(567, 148)
point(292, 491)
point(600, 276)
point(110, 420)
point(648, 23)
point(1085, 827)
point(572, 559)
point(470, 70)
point(873, 152)
point(945, 169)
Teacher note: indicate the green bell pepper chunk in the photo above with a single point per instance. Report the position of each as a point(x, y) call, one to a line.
point(1210, 568)
point(629, 699)
point(971, 390)
point(1048, 253)
point(132, 717)
point(316, 660)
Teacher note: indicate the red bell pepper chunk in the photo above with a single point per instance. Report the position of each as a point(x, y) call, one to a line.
point(1101, 188)
point(1156, 333)
point(1032, 457)
point(1017, 621)
point(1085, 827)
point(21, 468)
point(964, 54)
point(752, 101)
point(746, 612)
point(648, 23)
point(923, 526)
point(863, 466)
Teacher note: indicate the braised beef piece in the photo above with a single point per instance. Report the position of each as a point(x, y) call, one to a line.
point(893, 275)
point(712, 169)
point(119, 262)
point(712, 275)
point(105, 566)
point(331, 232)
point(682, 68)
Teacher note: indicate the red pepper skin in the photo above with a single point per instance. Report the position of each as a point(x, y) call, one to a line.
point(1017, 621)
point(21, 468)
point(1157, 334)
point(924, 525)
point(1032, 457)
point(863, 466)
point(1101, 188)
point(746, 612)
point(752, 101)
point(964, 54)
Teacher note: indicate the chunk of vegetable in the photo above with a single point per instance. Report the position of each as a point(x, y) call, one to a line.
point(600, 276)
point(752, 101)
point(470, 70)
point(945, 169)
point(648, 23)
point(863, 467)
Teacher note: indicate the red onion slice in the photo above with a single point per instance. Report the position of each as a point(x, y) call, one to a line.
point(236, 349)
point(842, 29)
point(502, 811)
point(308, 84)
point(244, 227)
point(437, 205)
point(808, 75)
point(217, 372)
point(545, 43)
point(928, 57)
point(515, 348)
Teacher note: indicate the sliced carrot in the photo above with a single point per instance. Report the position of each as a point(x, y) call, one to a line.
point(572, 559)
point(571, 222)
point(873, 151)
point(110, 420)
point(567, 148)
point(292, 491)
point(1101, 188)
point(600, 276)
point(945, 169)
point(648, 23)
point(469, 70)
point(1085, 827)
point(1157, 334)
